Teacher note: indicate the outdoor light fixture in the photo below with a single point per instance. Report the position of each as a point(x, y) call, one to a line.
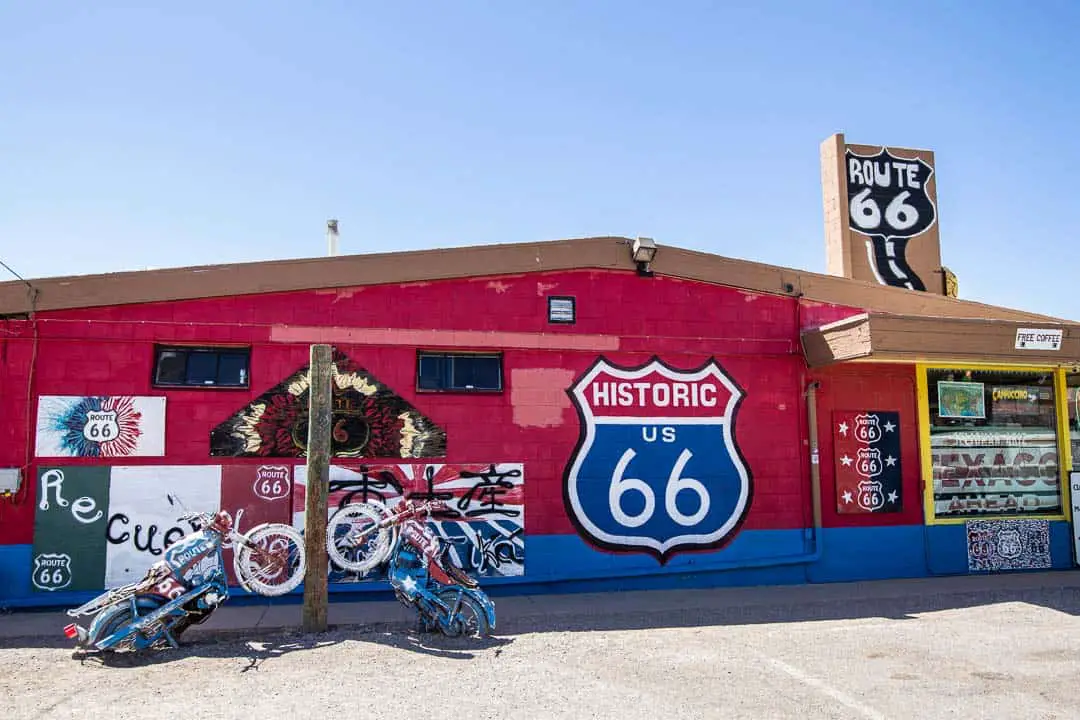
point(643, 251)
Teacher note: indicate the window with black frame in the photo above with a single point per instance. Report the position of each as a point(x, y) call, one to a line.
point(202, 367)
point(460, 372)
point(993, 442)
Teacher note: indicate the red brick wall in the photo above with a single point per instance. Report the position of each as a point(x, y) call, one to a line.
point(815, 314)
point(109, 351)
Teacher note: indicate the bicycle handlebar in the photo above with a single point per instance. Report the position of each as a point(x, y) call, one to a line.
point(428, 507)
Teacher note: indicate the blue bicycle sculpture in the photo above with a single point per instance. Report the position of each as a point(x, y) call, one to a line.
point(362, 536)
point(190, 582)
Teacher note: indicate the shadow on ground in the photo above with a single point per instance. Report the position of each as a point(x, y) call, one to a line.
point(208, 646)
point(895, 600)
point(258, 648)
point(697, 609)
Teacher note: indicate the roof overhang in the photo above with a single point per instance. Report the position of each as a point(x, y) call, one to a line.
point(604, 254)
point(887, 337)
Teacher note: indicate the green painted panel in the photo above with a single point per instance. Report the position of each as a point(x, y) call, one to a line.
point(69, 529)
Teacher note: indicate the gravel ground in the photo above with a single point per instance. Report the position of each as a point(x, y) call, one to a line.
point(1008, 659)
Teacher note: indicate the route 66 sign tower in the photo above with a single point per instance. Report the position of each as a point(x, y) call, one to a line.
point(881, 216)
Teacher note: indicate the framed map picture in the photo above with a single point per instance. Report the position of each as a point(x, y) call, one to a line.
point(961, 400)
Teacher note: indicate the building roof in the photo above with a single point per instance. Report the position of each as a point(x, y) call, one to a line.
point(611, 253)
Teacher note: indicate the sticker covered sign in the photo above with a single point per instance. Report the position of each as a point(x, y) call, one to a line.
point(995, 545)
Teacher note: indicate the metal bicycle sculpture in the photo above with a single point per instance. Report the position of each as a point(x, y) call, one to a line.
point(190, 582)
point(362, 536)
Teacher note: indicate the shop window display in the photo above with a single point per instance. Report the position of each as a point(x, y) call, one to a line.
point(993, 443)
point(1072, 393)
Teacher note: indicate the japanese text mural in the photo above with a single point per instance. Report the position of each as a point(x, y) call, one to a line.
point(485, 518)
point(866, 445)
point(656, 468)
point(369, 420)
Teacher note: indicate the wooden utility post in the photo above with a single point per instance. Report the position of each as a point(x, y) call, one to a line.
point(318, 481)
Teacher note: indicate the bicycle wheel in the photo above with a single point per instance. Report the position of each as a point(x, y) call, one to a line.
point(272, 562)
point(352, 540)
point(470, 620)
point(116, 618)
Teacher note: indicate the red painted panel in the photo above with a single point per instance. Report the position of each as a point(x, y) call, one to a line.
point(262, 492)
point(870, 387)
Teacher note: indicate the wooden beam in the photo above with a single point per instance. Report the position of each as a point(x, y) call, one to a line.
point(318, 482)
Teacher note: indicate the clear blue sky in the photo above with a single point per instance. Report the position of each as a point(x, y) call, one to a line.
point(193, 134)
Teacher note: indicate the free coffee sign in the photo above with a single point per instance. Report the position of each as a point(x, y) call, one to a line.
point(1032, 339)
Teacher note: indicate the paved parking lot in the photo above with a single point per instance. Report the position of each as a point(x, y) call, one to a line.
point(1003, 647)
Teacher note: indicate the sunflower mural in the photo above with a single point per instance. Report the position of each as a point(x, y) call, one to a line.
point(369, 420)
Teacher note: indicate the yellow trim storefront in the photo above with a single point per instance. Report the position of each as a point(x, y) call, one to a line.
point(1062, 435)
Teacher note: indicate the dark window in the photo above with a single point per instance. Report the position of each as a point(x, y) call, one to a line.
point(459, 371)
point(202, 367)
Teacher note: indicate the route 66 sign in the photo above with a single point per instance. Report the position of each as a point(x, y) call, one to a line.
point(656, 468)
point(871, 497)
point(1009, 543)
point(866, 450)
point(52, 571)
point(867, 429)
point(101, 426)
point(888, 201)
point(868, 462)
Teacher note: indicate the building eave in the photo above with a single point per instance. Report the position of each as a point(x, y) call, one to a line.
point(595, 253)
point(888, 337)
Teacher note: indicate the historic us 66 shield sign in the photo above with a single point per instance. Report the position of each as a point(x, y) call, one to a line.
point(656, 468)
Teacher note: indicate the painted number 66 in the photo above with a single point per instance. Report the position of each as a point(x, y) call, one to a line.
point(53, 578)
point(620, 485)
point(268, 490)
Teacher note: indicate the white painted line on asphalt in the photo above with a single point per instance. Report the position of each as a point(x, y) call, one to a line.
point(824, 688)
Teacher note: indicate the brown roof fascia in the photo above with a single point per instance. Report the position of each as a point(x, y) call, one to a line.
point(900, 338)
point(826, 288)
point(208, 281)
point(609, 252)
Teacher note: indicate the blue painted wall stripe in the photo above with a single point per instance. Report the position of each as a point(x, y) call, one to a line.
point(566, 563)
